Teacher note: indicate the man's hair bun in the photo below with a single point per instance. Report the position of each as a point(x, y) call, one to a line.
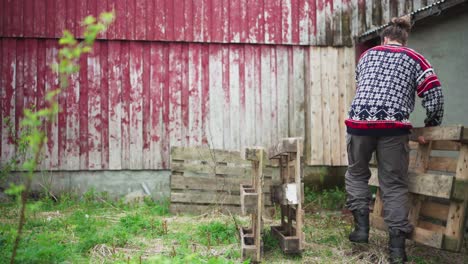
point(402, 23)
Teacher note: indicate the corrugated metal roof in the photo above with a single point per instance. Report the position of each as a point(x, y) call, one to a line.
point(434, 9)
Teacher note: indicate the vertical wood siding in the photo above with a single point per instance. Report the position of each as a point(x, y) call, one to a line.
point(132, 101)
point(331, 90)
point(298, 22)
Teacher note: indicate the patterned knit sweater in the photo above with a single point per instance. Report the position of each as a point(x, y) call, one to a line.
point(388, 77)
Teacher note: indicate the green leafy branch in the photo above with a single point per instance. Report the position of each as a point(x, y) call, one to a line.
point(34, 120)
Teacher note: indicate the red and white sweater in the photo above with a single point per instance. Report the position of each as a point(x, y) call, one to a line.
point(388, 77)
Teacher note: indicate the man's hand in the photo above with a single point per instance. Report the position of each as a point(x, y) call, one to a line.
point(422, 140)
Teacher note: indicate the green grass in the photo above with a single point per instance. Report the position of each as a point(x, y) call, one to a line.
point(93, 229)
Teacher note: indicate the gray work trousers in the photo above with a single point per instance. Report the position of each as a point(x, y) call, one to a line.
point(393, 160)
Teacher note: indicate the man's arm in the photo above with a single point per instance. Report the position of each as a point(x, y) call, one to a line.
point(429, 89)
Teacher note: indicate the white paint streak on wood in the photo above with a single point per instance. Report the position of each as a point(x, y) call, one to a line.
point(250, 122)
point(304, 13)
point(257, 86)
point(228, 145)
point(136, 106)
point(266, 90)
point(385, 11)
point(94, 111)
point(215, 128)
point(52, 84)
point(175, 90)
point(286, 22)
point(369, 22)
point(273, 115)
point(298, 101)
point(316, 111)
point(234, 89)
point(157, 74)
point(72, 153)
point(9, 57)
point(195, 91)
point(354, 18)
point(115, 104)
point(282, 76)
point(336, 16)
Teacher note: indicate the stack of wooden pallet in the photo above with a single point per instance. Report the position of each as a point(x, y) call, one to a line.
point(438, 183)
point(251, 195)
point(289, 195)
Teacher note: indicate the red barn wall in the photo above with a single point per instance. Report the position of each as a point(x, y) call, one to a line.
point(224, 74)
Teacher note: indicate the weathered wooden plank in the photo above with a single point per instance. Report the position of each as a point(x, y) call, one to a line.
point(434, 210)
point(175, 90)
point(249, 97)
point(194, 79)
point(329, 22)
point(439, 145)
point(282, 82)
point(234, 97)
point(94, 110)
point(432, 227)
point(201, 197)
point(7, 94)
point(206, 154)
point(184, 208)
point(125, 106)
point(157, 72)
point(147, 157)
point(209, 169)
point(321, 15)
point(40, 95)
point(272, 118)
point(444, 164)
point(115, 104)
point(228, 184)
point(72, 153)
point(286, 22)
point(426, 184)
point(184, 97)
point(296, 94)
point(52, 129)
point(337, 14)
point(215, 128)
point(104, 74)
point(328, 67)
point(83, 108)
point(303, 21)
point(136, 106)
point(272, 15)
point(334, 94)
point(266, 91)
point(315, 126)
point(438, 133)
point(226, 113)
point(457, 210)
point(160, 20)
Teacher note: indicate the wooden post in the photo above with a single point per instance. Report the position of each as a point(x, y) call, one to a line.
point(299, 193)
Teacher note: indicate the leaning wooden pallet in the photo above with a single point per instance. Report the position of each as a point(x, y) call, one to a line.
point(203, 180)
point(251, 196)
point(289, 195)
point(438, 185)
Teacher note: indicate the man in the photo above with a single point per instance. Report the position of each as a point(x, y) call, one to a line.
point(388, 77)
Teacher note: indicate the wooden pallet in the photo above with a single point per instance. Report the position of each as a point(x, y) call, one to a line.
point(252, 203)
point(204, 179)
point(289, 195)
point(438, 185)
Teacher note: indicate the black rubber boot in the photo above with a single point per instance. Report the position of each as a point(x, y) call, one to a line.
point(361, 226)
point(396, 246)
